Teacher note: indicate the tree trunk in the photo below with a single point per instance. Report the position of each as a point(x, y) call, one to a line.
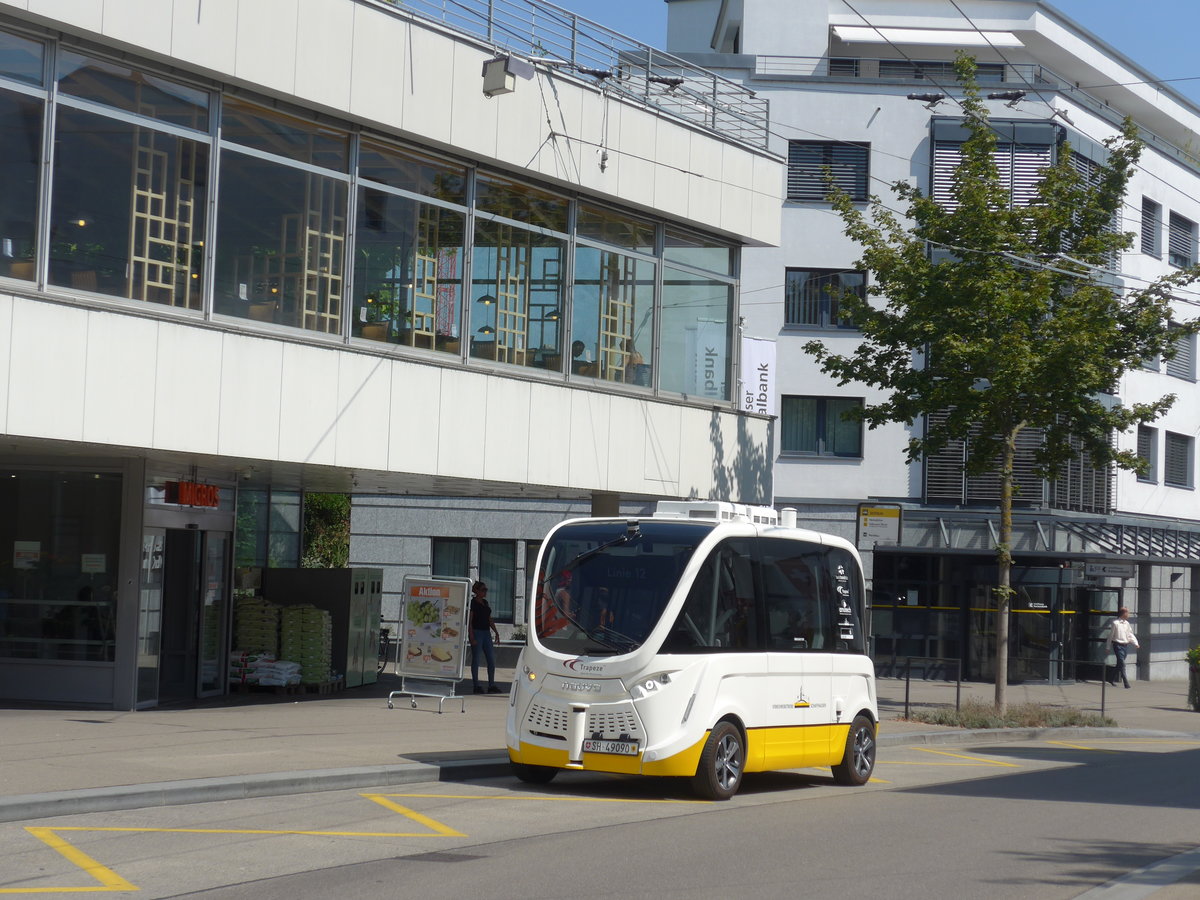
point(1004, 570)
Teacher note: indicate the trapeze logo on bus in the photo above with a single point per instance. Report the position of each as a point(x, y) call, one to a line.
point(578, 665)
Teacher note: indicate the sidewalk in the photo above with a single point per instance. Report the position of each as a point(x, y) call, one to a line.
point(58, 762)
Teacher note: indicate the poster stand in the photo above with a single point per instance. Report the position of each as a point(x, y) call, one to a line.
point(433, 638)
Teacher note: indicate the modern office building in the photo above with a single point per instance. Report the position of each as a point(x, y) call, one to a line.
point(251, 249)
point(867, 89)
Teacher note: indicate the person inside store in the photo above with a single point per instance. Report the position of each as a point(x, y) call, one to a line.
point(1120, 638)
point(482, 631)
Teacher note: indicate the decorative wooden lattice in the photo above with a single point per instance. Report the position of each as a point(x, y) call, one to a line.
point(163, 211)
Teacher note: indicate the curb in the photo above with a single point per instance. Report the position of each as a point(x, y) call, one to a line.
point(491, 765)
point(243, 787)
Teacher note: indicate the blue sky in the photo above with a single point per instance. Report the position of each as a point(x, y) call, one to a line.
point(1158, 34)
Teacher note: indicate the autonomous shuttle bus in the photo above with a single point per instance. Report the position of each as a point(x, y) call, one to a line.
point(705, 641)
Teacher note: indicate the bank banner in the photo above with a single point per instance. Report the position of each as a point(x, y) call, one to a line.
point(758, 376)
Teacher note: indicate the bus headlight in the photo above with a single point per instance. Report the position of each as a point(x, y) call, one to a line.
point(649, 684)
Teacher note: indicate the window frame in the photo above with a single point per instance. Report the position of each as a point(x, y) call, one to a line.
point(820, 427)
point(806, 178)
point(1147, 449)
point(1150, 235)
point(1179, 229)
point(1173, 443)
point(824, 305)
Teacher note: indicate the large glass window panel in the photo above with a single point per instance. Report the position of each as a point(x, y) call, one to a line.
point(692, 250)
point(58, 583)
point(281, 236)
point(498, 569)
point(820, 426)
point(409, 171)
point(283, 135)
point(694, 345)
point(612, 316)
point(408, 269)
point(21, 59)
point(119, 86)
point(520, 202)
point(127, 211)
point(615, 228)
point(451, 557)
point(20, 158)
point(516, 289)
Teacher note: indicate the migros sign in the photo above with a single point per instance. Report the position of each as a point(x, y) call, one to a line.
point(189, 493)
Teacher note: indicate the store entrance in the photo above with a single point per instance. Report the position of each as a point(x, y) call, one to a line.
point(1041, 630)
point(183, 614)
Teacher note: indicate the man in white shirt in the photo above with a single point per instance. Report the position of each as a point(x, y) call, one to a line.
point(1121, 637)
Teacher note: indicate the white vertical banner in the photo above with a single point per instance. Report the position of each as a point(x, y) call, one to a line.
point(757, 385)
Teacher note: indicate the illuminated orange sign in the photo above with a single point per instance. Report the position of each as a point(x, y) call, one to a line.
point(189, 493)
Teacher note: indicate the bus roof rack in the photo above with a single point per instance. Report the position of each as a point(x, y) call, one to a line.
point(721, 510)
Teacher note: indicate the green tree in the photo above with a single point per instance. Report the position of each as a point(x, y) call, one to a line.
point(326, 531)
point(1016, 326)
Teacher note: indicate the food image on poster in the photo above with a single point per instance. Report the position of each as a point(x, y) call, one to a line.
point(434, 628)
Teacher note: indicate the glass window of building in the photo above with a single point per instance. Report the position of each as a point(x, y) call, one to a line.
point(517, 297)
point(520, 203)
point(450, 557)
point(498, 569)
point(268, 529)
point(131, 90)
point(611, 227)
point(694, 347)
point(20, 156)
point(691, 250)
point(127, 213)
point(22, 59)
point(612, 316)
point(58, 595)
point(812, 296)
point(408, 260)
point(281, 229)
point(818, 426)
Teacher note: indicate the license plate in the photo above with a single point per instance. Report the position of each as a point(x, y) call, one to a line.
point(623, 748)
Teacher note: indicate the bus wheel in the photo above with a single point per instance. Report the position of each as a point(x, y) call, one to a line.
point(534, 774)
point(859, 761)
point(719, 774)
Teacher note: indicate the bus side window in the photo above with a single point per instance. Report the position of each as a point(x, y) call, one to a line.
point(720, 612)
point(796, 585)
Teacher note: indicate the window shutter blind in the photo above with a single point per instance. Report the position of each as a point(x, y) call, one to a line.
point(807, 164)
point(1183, 363)
point(1177, 460)
point(1151, 227)
point(1180, 241)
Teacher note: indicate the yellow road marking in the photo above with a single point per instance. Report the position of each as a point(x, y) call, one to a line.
point(1074, 746)
point(109, 880)
point(436, 826)
point(978, 760)
point(549, 797)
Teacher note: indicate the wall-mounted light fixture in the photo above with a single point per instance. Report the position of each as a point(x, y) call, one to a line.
point(501, 72)
point(930, 100)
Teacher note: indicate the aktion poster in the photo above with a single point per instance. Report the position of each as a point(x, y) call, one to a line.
point(433, 634)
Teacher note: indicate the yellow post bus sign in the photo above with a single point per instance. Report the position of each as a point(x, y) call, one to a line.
point(878, 523)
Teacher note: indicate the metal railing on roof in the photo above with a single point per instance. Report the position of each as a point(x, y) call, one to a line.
point(1031, 76)
point(563, 40)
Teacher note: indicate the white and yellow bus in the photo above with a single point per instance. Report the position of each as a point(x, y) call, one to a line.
point(705, 641)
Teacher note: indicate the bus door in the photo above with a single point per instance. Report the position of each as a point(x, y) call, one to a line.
point(796, 595)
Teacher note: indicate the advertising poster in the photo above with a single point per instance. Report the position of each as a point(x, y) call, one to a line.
point(433, 631)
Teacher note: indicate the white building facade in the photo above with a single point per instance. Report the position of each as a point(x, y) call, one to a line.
point(251, 249)
point(839, 78)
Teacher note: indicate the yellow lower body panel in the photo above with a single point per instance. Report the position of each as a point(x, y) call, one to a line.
point(767, 749)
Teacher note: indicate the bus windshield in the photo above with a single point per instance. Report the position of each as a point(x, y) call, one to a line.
point(603, 585)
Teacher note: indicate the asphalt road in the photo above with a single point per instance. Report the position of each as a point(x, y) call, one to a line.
point(1047, 820)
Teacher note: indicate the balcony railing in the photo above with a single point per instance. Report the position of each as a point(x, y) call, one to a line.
point(564, 41)
point(1022, 76)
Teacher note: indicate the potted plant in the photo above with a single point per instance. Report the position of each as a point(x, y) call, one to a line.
point(1193, 658)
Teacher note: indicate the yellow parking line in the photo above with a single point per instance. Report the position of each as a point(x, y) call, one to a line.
point(548, 797)
point(109, 880)
point(434, 825)
point(978, 760)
